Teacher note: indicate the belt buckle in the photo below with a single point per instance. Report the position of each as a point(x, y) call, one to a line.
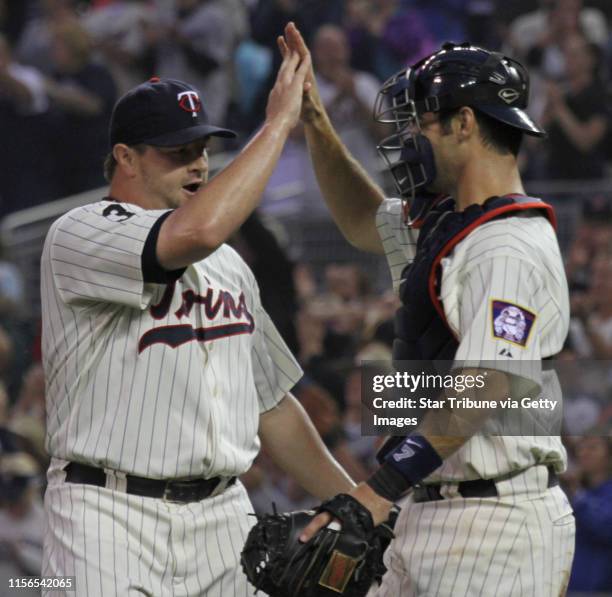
point(178, 492)
point(449, 491)
point(183, 492)
point(167, 494)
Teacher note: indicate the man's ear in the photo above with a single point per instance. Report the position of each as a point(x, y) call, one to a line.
point(465, 123)
point(126, 157)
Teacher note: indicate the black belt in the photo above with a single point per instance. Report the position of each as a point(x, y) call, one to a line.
point(477, 488)
point(189, 490)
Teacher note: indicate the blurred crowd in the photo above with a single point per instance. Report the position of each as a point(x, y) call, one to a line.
point(63, 63)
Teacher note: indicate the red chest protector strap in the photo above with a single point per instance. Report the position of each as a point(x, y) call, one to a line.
point(485, 217)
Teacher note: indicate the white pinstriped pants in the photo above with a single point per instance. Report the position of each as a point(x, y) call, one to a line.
point(518, 545)
point(118, 544)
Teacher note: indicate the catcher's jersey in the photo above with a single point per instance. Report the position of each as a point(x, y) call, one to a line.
point(505, 296)
point(164, 378)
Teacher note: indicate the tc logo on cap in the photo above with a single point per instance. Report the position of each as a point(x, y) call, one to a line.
point(190, 102)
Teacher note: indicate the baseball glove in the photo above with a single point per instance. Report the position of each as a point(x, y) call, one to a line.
point(334, 562)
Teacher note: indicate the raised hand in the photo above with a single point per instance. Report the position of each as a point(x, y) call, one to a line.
point(292, 41)
point(285, 99)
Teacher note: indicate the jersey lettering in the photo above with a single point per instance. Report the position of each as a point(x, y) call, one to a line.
point(176, 335)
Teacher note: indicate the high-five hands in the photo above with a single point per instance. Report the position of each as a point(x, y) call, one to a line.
point(285, 99)
point(292, 41)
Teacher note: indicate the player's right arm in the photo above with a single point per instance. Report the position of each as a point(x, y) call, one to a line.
point(351, 195)
point(203, 224)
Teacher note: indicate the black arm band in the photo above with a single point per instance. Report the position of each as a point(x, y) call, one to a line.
point(388, 483)
point(152, 271)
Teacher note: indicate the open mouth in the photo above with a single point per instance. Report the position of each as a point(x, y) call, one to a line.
point(192, 187)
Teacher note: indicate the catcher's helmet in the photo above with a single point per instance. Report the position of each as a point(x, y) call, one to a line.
point(456, 75)
point(460, 75)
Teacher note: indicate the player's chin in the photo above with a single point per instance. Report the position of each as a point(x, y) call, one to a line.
point(181, 197)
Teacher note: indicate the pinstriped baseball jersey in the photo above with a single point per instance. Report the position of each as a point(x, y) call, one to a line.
point(504, 293)
point(161, 374)
point(505, 296)
point(399, 241)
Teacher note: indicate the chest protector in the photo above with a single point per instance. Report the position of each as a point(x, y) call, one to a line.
point(421, 330)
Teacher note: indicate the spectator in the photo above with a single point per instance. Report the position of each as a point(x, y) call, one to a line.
point(15, 349)
point(125, 34)
point(450, 19)
point(537, 37)
point(311, 333)
point(34, 47)
point(379, 318)
point(268, 20)
point(589, 267)
point(31, 400)
point(348, 95)
point(372, 359)
point(199, 48)
point(21, 432)
point(82, 93)
point(314, 356)
point(16, 331)
point(12, 293)
point(346, 282)
point(584, 392)
point(23, 121)
point(385, 36)
point(343, 307)
point(329, 422)
point(7, 353)
point(13, 16)
point(591, 237)
point(4, 409)
point(270, 17)
point(598, 321)
point(21, 513)
point(577, 120)
point(330, 326)
point(10, 442)
point(305, 283)
point(592, 505)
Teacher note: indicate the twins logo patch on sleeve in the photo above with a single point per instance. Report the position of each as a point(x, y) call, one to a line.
point(511, 322)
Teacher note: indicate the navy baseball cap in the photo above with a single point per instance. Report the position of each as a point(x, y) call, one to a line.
point(164, 113)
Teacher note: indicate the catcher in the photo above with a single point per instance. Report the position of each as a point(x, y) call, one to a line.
point(480, 277)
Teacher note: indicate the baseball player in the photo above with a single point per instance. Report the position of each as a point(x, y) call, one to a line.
point(163, 370)
point(480, 278)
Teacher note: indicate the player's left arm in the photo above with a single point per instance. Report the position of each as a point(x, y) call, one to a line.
point(488, 288)
point(291, 440)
